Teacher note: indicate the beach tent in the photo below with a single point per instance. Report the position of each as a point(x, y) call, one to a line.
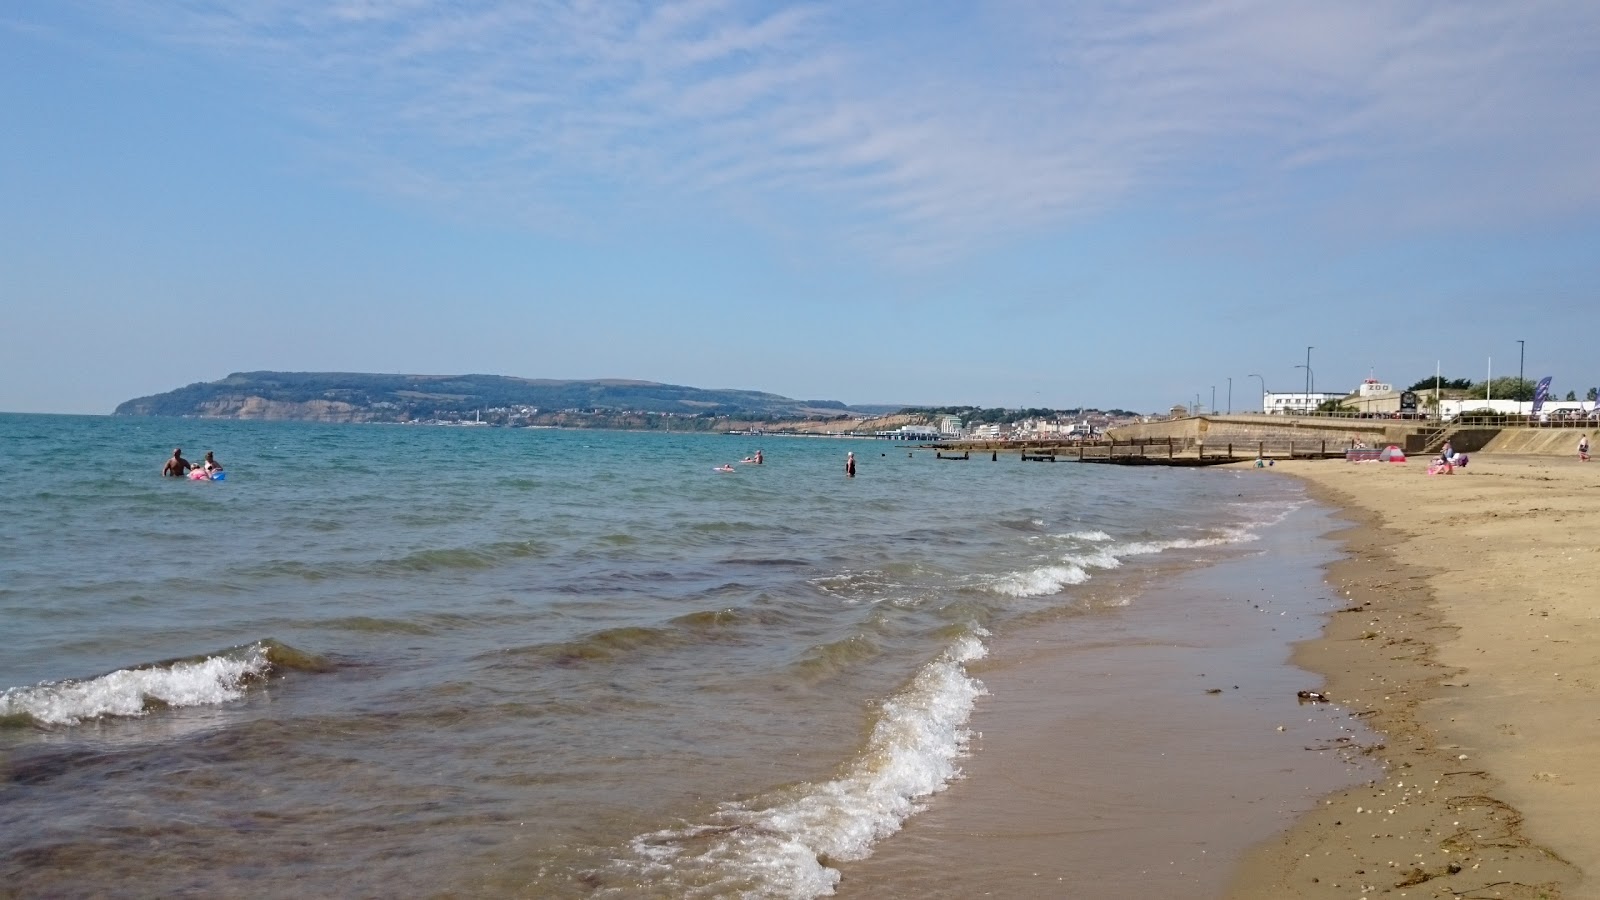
point(1392, 453)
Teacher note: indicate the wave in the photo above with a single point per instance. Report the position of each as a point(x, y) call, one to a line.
point(1039, 582)
point(1106, 553)
point(481, 557)
point(194, 681)
point(785, 846)
point(484, 556)
point(825, 660)
point(722, 626)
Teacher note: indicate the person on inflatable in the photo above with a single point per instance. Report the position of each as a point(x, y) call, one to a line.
point(210, 464)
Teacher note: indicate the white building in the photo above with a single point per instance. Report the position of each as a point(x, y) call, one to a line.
point(1297, 402)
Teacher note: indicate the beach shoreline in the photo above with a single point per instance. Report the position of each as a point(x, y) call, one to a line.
point(1460, 641)
point(1141, 747)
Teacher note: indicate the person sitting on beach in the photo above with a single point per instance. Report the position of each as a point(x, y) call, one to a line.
point(1583, 448)
point(177, 466)
point(210, 463)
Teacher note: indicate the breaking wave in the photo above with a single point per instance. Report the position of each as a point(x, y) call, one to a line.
point(1104, 552)
point(196, 681)
point(783, 846)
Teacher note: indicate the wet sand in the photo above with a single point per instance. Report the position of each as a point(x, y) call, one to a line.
point(1469, 642)
point(1459, 625)
point(1135, 750)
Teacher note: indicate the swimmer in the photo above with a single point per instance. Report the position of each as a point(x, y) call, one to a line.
point(723, 468)
point(850, 465)
point(177, 466)
point(210, 463)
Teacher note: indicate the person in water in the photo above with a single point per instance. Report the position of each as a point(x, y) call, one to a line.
point(177, 466)
point(850, 465)
point(760, 460)
point(210, 463)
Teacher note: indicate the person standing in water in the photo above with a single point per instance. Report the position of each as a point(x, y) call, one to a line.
point(850, 465)
point(177, 466)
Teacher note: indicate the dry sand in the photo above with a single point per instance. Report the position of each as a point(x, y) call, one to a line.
point(1468, 641)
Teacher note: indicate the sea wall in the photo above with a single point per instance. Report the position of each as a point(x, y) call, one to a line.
point(1245, 431)
point(1540, 441)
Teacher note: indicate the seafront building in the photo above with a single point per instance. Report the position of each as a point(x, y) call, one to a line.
point(1281, 404)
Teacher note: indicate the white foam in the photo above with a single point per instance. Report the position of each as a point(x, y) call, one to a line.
point(1039, 582)
point(777, 850)
point(216, 679)
point(1088, 536)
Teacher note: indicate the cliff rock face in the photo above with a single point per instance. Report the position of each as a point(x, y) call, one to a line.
point(250, 407)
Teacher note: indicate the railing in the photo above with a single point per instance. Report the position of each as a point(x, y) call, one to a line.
point(1498, 420)
point(1591, 420)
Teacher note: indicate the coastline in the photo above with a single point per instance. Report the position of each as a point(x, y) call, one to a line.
point(1462, 641)
point(1141, 747)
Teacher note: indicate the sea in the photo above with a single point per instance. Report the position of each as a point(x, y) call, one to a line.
point(386, 660)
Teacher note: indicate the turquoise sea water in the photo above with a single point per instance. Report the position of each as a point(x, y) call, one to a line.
point(385, 660)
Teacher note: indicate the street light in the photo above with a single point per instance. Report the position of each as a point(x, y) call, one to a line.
point(1308, 373)
point(1311, 382)
point(1263, 391)
point(1521, 346)
point(1213, 399)
point(1230, 395)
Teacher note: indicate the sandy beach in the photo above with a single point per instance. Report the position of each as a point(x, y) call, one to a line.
point(1466, 640)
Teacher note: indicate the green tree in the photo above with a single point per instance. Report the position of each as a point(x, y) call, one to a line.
point(1572, 395)
point(1449, 384)
point(1594, 394)
point(1506, 387)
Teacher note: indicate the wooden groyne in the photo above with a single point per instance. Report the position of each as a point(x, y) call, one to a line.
point(1173, 452)
point(1178, 452)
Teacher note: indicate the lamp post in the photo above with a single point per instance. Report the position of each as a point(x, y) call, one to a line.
point(1311, 382)
point(1213, 399)
point(1308, 373)
point(1263, 391)
point(1521, 346)
point(1230, 395)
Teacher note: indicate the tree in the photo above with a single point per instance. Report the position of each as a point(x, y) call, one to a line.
point(1572, 395)
point(1594, 394)
point(1506, 387)
point(1449, 384)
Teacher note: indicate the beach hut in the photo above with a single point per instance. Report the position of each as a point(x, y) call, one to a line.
point(1392, 453)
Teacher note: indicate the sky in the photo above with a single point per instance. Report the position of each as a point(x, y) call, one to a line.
point(1014, 203)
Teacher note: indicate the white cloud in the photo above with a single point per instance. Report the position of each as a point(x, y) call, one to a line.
point(916, 137)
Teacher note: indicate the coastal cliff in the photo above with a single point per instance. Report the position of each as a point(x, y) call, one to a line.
point(363, 397)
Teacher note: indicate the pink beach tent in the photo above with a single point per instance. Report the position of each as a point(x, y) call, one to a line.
point(1392, 453)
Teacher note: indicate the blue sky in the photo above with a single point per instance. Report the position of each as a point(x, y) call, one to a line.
point(1005, 204)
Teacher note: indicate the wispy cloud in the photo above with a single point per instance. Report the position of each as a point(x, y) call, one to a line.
point(916, 135)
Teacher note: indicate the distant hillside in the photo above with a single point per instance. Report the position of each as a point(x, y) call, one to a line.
point(360, 397)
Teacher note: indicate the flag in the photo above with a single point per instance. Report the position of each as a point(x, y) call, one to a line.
point(1541, 393)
